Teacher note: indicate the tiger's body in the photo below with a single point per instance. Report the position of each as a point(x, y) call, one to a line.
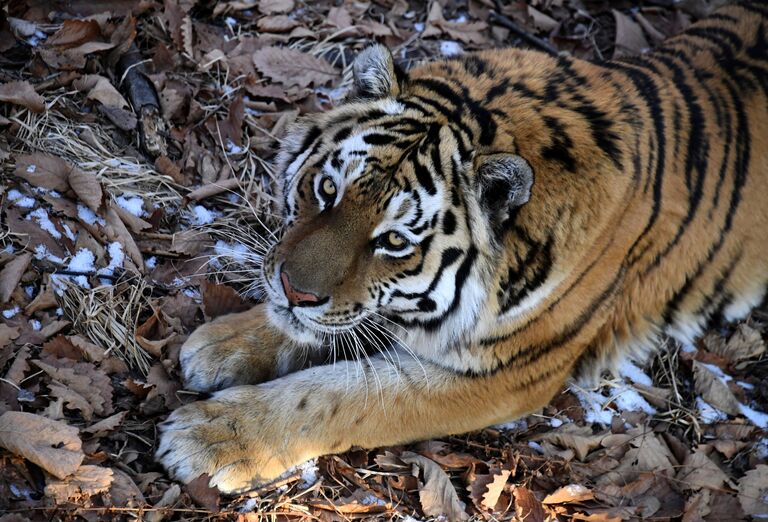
point(522, 218)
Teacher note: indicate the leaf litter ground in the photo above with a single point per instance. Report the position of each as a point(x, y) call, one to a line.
point(123, 229)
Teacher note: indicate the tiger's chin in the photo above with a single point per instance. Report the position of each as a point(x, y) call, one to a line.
point(306, 330)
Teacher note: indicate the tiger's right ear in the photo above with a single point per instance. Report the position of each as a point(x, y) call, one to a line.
point(375, 72)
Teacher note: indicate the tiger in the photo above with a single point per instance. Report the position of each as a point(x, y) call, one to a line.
point(505, 221)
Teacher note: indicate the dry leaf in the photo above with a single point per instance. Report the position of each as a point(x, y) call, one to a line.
point(83, 378)
point(276, 6)
point(291, 67)
point(52, 445)
point(495, 488)
point(569, 494)
point(104, 426)
point(74, 58)
point(87, 187)
point(86, 481)
point(712, 389)
point(436, 493)
point(527, 506)
point(73, 33)
point(745, 343)
point(276, 24)
point(698, 471)
point(124, 491)
point(22, 93)
point(541, 21)
point(43, 170)
point(630, 39)
point(101, 90)
point(11, 274)
point(202, 494)
point(221, 300)
point(753, 491)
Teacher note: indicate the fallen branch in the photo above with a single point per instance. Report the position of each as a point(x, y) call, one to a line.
point(534, 41)
point(152, 127)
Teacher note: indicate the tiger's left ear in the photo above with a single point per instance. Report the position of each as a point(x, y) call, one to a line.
point(375, 72)
point(505, 182)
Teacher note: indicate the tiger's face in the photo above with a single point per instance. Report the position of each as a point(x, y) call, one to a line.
point(386, 215)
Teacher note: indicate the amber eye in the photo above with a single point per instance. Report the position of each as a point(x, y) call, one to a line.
point(394, 241)
point(328, 188)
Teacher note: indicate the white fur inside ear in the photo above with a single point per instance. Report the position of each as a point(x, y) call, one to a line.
point(374, 71)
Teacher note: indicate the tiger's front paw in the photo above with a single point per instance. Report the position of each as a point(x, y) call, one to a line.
point(232, 350)
point(219, 438)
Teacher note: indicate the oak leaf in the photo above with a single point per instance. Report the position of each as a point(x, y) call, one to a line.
point(292, 67)
point(52, 445)
point(10, 276)
point(86, 481)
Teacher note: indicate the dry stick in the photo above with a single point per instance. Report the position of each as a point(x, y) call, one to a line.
point(152, 127)
point(535, 41)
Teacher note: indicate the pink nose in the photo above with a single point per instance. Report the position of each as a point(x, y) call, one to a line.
point(296, 297)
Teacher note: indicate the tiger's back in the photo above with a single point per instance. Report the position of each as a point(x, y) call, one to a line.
point(668, 153)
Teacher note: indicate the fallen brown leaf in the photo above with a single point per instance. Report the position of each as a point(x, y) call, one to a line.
point(10, 276)
point(43, 170)
point(753, 488)
point(22, 93)
point(436, 493)
point(291, 67)
point(52, 445)
point(86, 481)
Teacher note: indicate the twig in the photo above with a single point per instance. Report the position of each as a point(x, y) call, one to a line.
point(535, 41)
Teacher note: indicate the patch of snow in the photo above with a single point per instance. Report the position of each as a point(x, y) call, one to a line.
point(179, 281)
point(248, 506)
point(761, 448)
point(757, 418)
point(30, 291)
point(746, 385)
point(41, 216)
point(120, 164)
point(535, 445)
point(518, 425)
point(11, 312)
point(82, 261)
point(555, 422)
point(59, 312)
point(194, 293)
point(309, 471)
point(132, 204)
point(628, 399)
point(32, 168)
point(233, 148)
point(203, 216)
point(8, 249)
point(461, 19)
point(450, 48)
point(35, 324)
point(42, 252)
point(709, 414)
point(629, 370)
point(594, 406)
point(231, 22)
point(150, 262)
point(46, 192)
point(372, 500)
point(20, 200)
point(86, 215)
point(419, 27)
point(68, 231)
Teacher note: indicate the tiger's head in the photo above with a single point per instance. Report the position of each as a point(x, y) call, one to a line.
point(390, 210)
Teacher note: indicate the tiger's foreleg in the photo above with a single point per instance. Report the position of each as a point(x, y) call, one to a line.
point(248, 435)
